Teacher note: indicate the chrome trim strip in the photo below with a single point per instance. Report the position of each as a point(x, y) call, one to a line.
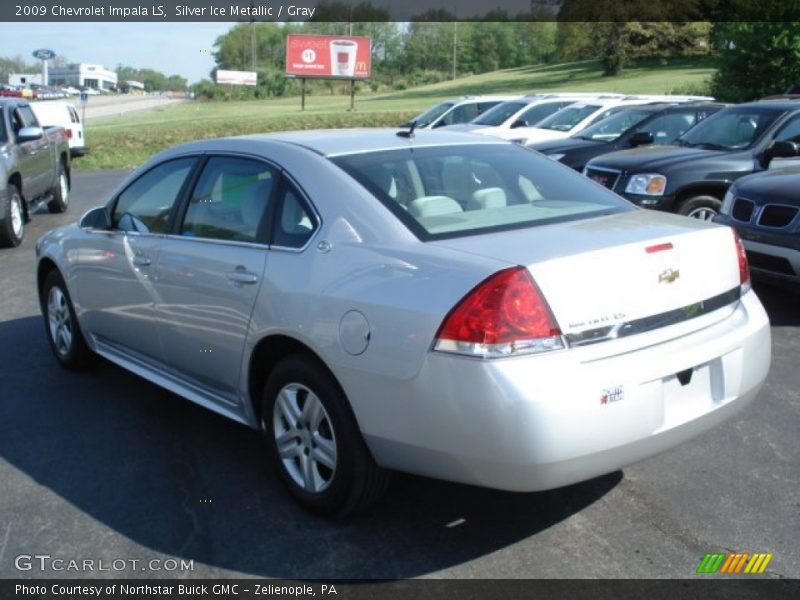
point(645, 324)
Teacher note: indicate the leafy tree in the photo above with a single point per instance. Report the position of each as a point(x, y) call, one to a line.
point(616, 31)
point(617, 42)
point(756, 59)
point(17, 64)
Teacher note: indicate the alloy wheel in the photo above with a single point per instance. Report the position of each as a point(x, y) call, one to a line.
point(17, 219)
point(304, 438)
point(59, 320)
point(702, 213)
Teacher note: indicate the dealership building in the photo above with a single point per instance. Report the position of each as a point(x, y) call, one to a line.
point(81, 75)
point(24, 79)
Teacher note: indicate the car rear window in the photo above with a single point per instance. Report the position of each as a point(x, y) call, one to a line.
point(461, 190)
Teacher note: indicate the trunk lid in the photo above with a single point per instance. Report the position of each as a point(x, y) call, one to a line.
point(639, 267)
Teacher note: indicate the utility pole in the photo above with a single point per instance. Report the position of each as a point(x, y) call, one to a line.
point(455, 45)
point(252, 36)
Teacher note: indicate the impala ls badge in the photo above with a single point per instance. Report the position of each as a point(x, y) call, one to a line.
point(669, 276)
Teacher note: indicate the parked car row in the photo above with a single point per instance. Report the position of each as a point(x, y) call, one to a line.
point(39, 92)
point(672, 153)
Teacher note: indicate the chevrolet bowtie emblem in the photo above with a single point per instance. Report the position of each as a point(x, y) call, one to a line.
point(669, 276)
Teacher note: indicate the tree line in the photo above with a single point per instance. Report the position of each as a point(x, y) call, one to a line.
point(754, 58)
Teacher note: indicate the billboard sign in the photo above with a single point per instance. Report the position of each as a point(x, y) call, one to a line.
point(328, 56)
point(237, 77)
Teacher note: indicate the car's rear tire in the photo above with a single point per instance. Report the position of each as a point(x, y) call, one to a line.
point(314, 440)
point(59, 194)
point(12, 218)
point(703, 207)
point(61, 325)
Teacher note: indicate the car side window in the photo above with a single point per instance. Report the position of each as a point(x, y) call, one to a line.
point(17, 122)
point(145, 205)
point(667, 128)
point(230, 199)
point(28, 118)
point(790, 132)
point(295, 222)
point(539, 112)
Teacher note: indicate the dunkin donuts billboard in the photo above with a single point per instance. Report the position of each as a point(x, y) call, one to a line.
point(329, 56)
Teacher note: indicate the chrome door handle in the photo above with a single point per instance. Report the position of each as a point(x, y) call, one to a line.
point(242, 276)
point(140, 260)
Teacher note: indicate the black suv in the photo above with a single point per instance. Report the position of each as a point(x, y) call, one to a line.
point(659, 123)
point(692, 176)
point(765, 209)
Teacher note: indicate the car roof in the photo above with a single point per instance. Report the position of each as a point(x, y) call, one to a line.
point(481, 98)
point(333, 142)
point(779, 103)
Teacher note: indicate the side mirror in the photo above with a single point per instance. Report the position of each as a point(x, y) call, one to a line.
point(519, 123)
point(97, 218)
point(780, 149)
point(29, 134)
point(642, 138)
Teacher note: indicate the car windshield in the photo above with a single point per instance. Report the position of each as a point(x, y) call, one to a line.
point(567, 118)
point(610, 128)
point(430, 115)
point(733, 128)
point(499, 114)
point(462, 190)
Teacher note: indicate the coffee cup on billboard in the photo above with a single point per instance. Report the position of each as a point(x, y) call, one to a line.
point(343, 58)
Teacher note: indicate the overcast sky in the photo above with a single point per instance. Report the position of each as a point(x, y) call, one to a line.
point(173, 48)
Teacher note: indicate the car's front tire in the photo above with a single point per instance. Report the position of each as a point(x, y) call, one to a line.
point(12, 218)
point(61, 325)
point(703, 207)
point(314, 440)
point(59, 200)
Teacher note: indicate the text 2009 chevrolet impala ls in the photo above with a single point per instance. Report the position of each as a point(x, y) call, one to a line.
point(437, 303)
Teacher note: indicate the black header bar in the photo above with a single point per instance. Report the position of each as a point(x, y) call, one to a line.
point(397, 10)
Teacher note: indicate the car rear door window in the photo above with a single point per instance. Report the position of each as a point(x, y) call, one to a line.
point(146, 205)
point(230, 200)
point(461, 114)
point(667, 128)
point(540, 111)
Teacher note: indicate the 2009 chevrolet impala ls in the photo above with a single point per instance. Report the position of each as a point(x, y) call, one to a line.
point(437, 303)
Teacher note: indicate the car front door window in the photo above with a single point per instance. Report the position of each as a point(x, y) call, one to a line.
point(146, 205)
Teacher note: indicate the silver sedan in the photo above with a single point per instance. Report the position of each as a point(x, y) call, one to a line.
point(437, 303)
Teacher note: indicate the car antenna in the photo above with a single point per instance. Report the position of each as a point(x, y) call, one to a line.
point(410, 133)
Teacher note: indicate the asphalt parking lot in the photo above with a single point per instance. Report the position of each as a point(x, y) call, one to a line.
point(104, 466)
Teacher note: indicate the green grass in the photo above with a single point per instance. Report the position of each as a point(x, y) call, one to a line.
point(127, 141)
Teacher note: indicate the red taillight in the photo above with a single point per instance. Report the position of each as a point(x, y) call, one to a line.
point(69, 133)
point(504, 315)
point(744, 267)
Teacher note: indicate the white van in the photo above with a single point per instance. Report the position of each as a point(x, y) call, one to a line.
point(62, 114)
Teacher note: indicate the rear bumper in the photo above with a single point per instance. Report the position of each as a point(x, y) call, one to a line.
point(769, 262)
point(540, 422)
point(78, 151)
